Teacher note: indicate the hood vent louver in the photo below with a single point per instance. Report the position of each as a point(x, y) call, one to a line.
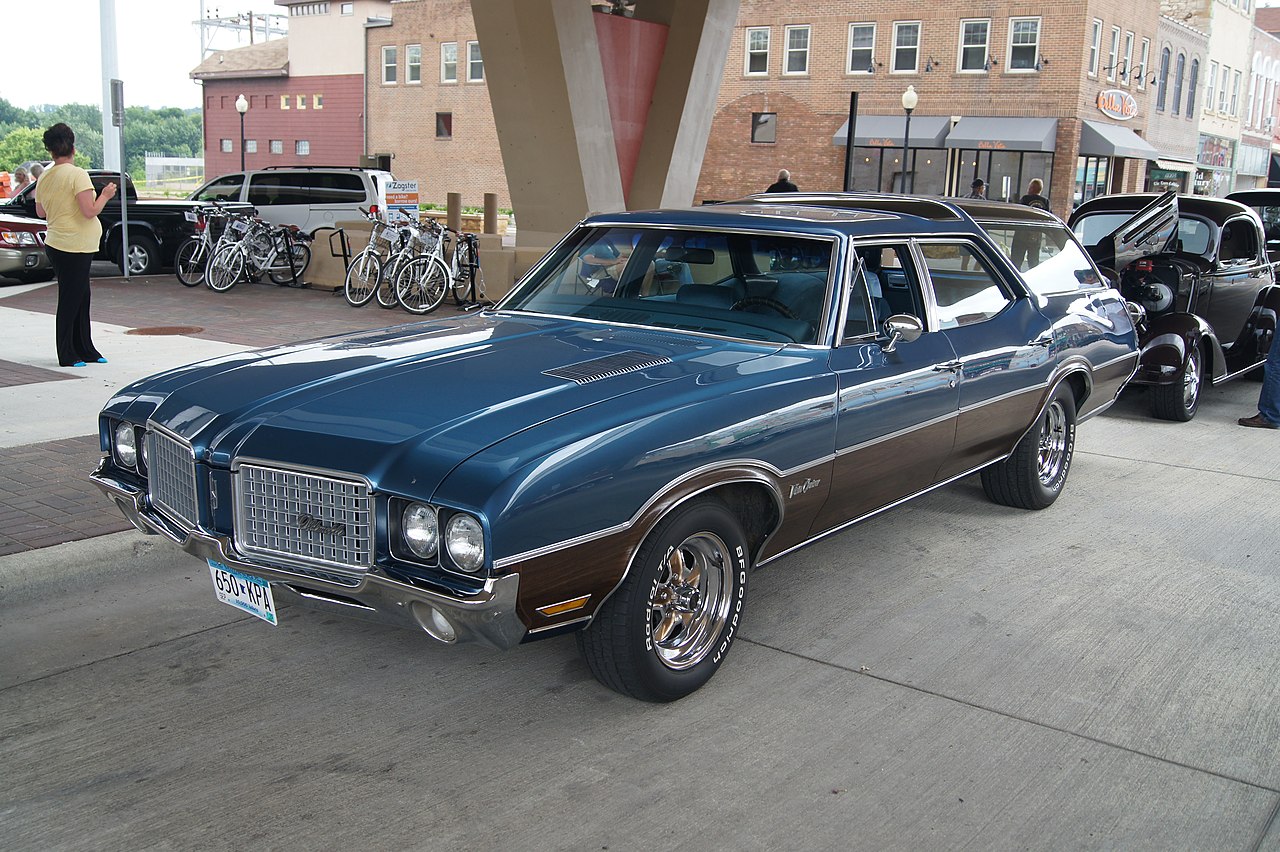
point(607, 367)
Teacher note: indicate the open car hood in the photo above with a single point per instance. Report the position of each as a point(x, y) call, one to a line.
point(1152, 230)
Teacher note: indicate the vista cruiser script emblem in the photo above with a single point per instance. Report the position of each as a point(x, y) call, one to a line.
point(310, 523)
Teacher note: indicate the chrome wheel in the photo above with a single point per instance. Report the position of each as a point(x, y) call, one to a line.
point(1053, 443)
point(1191, 380)
point(689, 602)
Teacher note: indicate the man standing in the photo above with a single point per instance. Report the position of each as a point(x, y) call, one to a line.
point(1268, 416)
point(1034, 197)
point(783, 183)
point(977, 189)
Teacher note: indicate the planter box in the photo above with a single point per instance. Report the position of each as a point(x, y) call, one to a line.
point(471, 223)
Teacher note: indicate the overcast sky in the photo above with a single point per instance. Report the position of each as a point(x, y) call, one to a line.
point(157, 44)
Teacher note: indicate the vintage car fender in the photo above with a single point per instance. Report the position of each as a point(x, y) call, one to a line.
point(1260, 328)
point(1164, 355)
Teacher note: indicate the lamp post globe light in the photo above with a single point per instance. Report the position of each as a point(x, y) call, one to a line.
point(242, 106)
point(909, 101)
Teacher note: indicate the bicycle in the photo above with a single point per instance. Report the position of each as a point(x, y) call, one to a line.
point(364, 277)
point(192, 257)
point(422, 286)
point(465, 272)
point(282, 253)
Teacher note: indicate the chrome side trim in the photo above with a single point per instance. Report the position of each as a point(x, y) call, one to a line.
point(1010, 395)
point(898, 434)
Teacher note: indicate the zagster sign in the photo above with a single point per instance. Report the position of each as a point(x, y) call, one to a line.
point(1116, 103)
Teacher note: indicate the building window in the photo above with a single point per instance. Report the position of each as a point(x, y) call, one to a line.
point(1191, 87)
point(444, 125)
point(862, 48)
point(797, 60)
point(251, 146)
point(1113, 55)
point(284, 102)
point(906, 46)
point(277, 146)
point(347, 8)
point(227, 146)
point(973, 45)
point(1128, 59)
point(389, 64)
point(475, 65)
point(449, 62)
point(757, 61)
point(1143, 65)
point(302, 148)
point(1223, 80)
point(764, 127)
point(413, 63)
point(1179, 68)
point(298, 10)
point(1212, 82)
point(1095, 46)
point(317, 101)
point(1235, 94)
point(1024, 43)
point(1162, 81)
point(301, 102)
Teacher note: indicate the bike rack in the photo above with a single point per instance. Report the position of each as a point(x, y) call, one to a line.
point(345, 253)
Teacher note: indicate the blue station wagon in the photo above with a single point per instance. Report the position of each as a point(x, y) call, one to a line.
point(667, 401)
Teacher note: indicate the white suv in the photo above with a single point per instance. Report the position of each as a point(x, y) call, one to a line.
point(310, 197)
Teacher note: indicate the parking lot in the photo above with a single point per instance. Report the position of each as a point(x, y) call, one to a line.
point(1104, 674)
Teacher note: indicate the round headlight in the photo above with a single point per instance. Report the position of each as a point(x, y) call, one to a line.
point(421, 530)
point(127, 445)
point(464, 539)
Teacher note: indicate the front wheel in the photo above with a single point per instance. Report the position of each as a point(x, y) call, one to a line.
point(301, 259)
point(1179, 401)
point(362, 278)
point(420, 286)
point(190, 261)
point(141, 256)
point(1034, 473)
point(226, 267)
point(668, 627)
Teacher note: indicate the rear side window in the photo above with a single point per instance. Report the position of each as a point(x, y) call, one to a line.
point(277, 188)
point(334, 187)
point(964, 286)
point(1049, 260)
point(223, 189)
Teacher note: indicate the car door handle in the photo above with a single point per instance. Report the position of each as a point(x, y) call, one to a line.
point(948, 366)
point(1045, 340)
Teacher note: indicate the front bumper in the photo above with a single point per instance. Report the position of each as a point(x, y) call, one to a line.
point(22, 261)
point(488, 617)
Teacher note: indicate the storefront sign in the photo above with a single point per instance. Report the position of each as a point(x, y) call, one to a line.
point(402, 200)
point(1215, 152)
point(1118, 104)
point(883, 143)
point(992, 146)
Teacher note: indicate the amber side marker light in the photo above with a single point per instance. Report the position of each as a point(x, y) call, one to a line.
point(564, 606)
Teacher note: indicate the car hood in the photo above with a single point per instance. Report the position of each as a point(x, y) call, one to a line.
point(1147, 232)
point(428, 394)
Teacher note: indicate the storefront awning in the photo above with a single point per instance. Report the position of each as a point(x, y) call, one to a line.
point(1004, 133)
point(885, 131)
point(1098, 139)
point(1176, 166)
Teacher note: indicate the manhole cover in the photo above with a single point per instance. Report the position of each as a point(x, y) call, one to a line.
point(166, 329)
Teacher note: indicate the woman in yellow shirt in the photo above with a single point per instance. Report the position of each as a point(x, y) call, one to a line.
point(65, 199)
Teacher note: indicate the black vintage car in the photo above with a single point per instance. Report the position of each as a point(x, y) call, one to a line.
point(1266, 203)
point(1199, 268)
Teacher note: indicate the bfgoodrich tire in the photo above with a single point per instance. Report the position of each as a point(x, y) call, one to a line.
point(668, 627)
point(1032, 476)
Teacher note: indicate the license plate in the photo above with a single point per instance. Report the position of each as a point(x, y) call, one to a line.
point(250, 594)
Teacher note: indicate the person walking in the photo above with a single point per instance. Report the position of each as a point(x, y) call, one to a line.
point(65, 199)
point(977, 189)
point(783, 183)
point(1034, 197)
point(1268, 416)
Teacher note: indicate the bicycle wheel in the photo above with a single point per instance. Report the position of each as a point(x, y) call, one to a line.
point(301, 257)
point(461, 272)
point(362, 278)
point(421, 285)
point(386, 292)
point(225, 269)
point(190, 261)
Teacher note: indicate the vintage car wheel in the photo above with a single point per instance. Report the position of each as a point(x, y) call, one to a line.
point(1033, 475)
point(667, 628)
point(1180, 400)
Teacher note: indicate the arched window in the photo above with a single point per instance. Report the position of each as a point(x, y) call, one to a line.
point(1177, 81)
point(1163, 80)
point(1191, 87)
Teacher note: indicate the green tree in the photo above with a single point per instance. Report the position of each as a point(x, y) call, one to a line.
point(21, 145)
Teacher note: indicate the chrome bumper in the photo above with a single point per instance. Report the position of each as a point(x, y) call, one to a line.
point(488, 617)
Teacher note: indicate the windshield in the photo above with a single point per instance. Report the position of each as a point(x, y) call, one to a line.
point(1195, 236)
point(1049, 260)
point(769, 287)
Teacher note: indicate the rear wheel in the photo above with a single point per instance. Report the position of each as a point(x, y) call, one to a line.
point(668, 627)
point(421, 285)
point(362, 278)
point(142, 256)
point(226, 267)
point(1179, 401)
point(301, 259)
point(1034, 473)
point(190, 261)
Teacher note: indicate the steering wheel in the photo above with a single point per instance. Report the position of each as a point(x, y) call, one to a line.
point(763, 302)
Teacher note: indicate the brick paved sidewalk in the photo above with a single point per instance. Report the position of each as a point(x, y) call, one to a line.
point(45, 494)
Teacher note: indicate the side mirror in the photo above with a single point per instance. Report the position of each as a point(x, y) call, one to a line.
point(901, 327)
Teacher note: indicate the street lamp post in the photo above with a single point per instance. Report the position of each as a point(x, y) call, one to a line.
point(909, 101)
point(242, 106)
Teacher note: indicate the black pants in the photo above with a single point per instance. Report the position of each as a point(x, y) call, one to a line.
point(72, 332)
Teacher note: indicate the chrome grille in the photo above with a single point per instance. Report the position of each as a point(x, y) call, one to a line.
point(304, 517)
point(171, 477)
